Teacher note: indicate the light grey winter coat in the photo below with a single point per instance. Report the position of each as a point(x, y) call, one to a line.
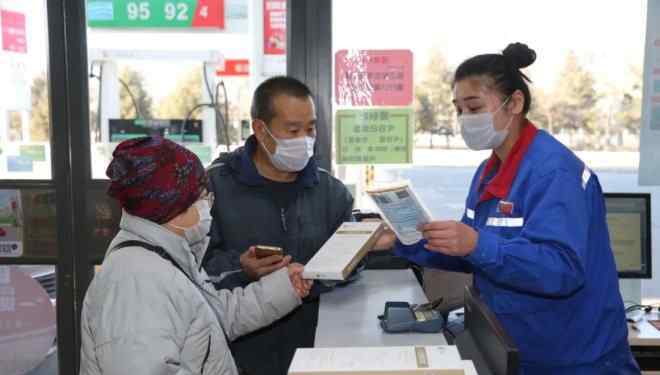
point(143, 316)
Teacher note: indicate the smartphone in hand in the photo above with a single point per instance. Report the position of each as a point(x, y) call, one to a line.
point(263, 251)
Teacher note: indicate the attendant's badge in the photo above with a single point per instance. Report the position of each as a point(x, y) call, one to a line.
point(505, 208)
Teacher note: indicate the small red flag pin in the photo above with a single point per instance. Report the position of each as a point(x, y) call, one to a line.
point(505, 208)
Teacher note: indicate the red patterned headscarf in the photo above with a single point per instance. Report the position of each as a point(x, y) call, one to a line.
point(155, 178)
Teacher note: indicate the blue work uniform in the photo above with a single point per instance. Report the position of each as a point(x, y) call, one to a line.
point(543, 261)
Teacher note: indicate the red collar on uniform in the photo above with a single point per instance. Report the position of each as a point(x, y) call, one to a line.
point(500, 185)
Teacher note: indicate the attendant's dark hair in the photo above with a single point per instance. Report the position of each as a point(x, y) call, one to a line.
point(503, 69)
point(262, 101)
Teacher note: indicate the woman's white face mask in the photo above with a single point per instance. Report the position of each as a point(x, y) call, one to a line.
point(196, 235)
point(291, 155)
point(478, 129)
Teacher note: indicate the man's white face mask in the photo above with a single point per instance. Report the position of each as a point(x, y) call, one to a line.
point(291, 155)
point(478, 130)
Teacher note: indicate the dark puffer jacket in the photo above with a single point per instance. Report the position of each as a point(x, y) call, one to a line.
point(245, 214)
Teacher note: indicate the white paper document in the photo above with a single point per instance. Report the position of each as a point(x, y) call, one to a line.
point(469, 368)
point(400, 360)
point(343, 251)
point(402, 210)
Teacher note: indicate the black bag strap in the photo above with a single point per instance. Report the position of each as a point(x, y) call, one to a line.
point(156, 249)
point(165, 255)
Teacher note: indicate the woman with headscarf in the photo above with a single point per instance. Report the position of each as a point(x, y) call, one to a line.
point(151, 309)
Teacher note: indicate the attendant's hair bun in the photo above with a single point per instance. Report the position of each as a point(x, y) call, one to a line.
point(519, 55)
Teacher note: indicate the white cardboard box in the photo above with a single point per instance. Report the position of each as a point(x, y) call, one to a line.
point(395, 360)
point(341, 253)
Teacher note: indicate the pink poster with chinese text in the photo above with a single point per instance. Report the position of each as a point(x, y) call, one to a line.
point(374, 77)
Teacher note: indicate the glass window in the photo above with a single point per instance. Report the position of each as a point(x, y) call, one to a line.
point(27, 211)
point(27, 320)
point(182, 69)
point(28, 223)
point(24, 108)
point(101, 224)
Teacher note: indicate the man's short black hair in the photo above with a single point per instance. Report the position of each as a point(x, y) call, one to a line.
point(262, 101)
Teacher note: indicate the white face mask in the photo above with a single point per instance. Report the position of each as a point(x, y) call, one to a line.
point(291, 155)
point(197, 235)
point(479, 132)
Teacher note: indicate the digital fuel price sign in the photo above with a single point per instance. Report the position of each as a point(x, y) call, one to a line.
point(156, 14)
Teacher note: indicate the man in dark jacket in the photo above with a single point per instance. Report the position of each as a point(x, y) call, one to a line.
point(272, 193)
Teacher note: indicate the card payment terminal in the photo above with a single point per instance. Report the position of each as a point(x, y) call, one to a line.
point(402, 317)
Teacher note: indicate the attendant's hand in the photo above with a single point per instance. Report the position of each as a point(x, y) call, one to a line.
point(385, 241)
point(256, 268)
point(450, 238)
point(301, 285)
